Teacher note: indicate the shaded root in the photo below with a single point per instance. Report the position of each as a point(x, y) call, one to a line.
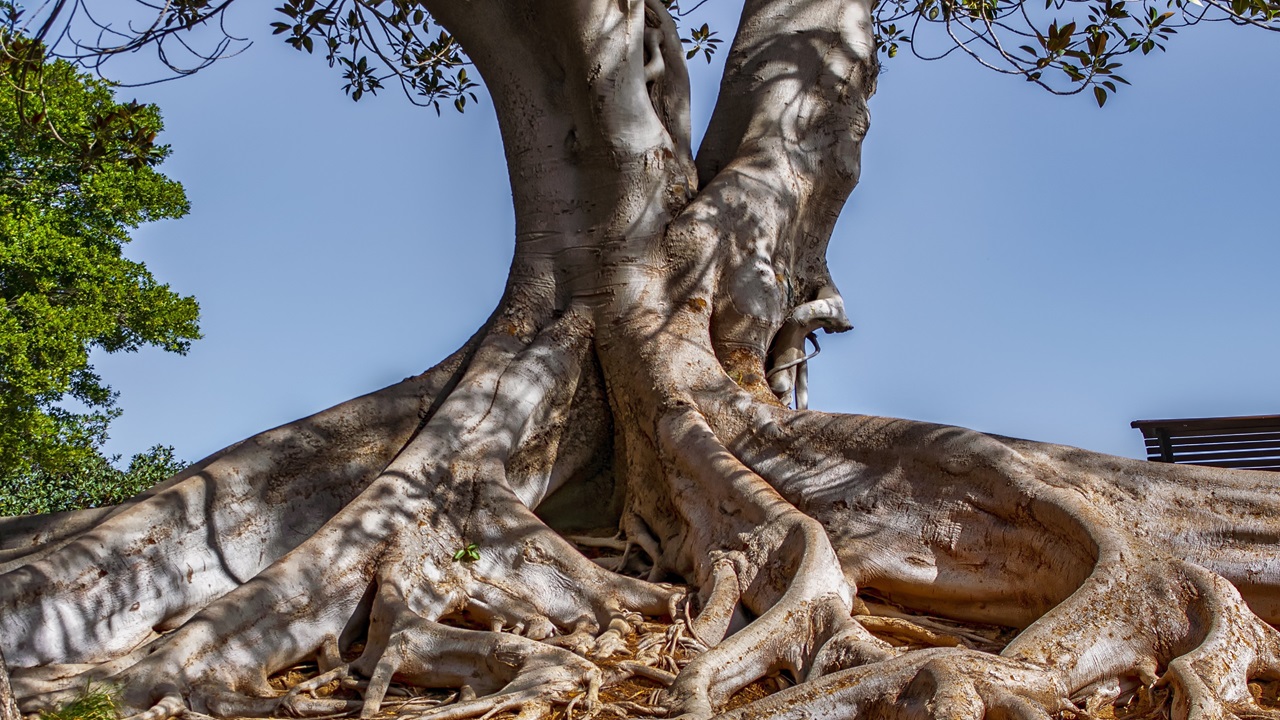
point(758, 557)
point(500, 671)
point(438, 562)
point(1143, 624)
point(940, 682)
point(443, 577)
point(91, 586)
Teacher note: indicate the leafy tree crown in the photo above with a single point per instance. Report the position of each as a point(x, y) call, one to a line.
point(77, 174)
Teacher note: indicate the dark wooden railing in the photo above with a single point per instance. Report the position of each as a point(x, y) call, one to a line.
point(1230, 442)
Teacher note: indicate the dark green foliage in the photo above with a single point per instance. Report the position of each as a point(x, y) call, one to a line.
point(92, 482)
point(701, 40)
point(1065, 46)
point(424, 58)
point(77, 173)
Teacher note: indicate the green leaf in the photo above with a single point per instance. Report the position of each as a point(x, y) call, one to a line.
point(67, 288)
point(1100, 95)
point(469, 553)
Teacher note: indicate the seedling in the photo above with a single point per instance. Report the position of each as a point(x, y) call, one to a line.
point(470, 553)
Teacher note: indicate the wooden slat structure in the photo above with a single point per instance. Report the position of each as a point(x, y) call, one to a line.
point(1229, 442)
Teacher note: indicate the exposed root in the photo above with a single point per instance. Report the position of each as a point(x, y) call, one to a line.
point(612, 543)
point(507, 671)
point(774, 561)
point(437, 567)
point(1212, 680)
point(636, 669)
point(170, 706)
point(942, 682)
point(909, 633)
point(989, 638)
point(713, 622)
point(62, 605)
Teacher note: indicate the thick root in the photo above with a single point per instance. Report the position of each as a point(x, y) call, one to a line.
point(507, 670)
point(440, 567)
point(762, 555)
point(938, 683)
point(90, 594)
point(439, 537)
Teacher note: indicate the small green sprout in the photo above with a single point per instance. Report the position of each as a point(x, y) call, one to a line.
point(470, 553)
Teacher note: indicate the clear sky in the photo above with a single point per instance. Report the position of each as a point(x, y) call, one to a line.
point(1014, 262)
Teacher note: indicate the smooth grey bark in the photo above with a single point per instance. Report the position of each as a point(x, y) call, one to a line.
point(636, 371)
point(8, 704)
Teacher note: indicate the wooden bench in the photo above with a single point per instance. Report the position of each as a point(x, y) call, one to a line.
point(1230, 442)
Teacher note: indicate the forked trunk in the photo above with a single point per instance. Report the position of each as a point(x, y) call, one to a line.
point(637, 377)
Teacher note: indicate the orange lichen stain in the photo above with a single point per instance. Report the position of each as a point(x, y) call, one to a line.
point(746, 368)
point(1145, 704)
point(696, 304)
point(1106, 712)
point(1266, 693)
point(758, 690)
point(637, 690)
point(289, 677)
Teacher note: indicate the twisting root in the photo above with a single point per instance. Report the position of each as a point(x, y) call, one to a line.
point(637, 669)
point(509, 671)
point(170, 706)
point(940, 682)
point(783, 559)
point(60, 606)
point(291, 703)
point(910, 631)
point(1212, 680)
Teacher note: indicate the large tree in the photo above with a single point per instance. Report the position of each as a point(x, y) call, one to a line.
point(78, 174)
point(636, 378)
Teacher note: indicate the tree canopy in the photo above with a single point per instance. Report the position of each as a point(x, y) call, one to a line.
point(77, 174)
point(1065, 46)
point(91, 481)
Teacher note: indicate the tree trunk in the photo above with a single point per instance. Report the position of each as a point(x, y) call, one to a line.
point(635, 378)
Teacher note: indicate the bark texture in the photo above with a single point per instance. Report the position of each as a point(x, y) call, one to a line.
point(638, 378)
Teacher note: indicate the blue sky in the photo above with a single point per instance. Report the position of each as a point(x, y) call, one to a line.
point(1014, 262)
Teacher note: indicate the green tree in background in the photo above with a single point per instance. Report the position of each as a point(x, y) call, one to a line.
point(92, 481)
point(77, 173)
